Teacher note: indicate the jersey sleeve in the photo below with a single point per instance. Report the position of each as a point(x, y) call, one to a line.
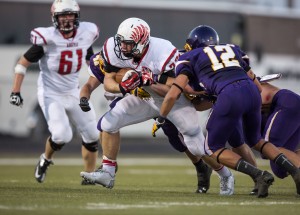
point(38, 36)
point(183, 66)
point(92, 29)
point(244, 59)
point(169, 63)
point(109, 62)
point(96, 67)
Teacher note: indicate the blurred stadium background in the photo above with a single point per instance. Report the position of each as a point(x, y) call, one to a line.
point(268, 30)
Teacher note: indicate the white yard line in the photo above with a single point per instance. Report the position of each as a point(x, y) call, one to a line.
point(104, 206)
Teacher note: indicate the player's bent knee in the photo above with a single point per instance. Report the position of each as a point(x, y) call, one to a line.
point(108, 124)
point(62, 136)
point(92, 147)
point(90, 133)
point(56, 146)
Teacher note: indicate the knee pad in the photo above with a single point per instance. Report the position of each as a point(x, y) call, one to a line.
point(109, 123)
point(62, 135)
point(55, 146)
point(89, 133)
point(92, 147)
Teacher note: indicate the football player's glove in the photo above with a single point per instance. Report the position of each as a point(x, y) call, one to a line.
point(130, 81)
point(268, 78)
point(147, 78)
point(84, 104)
point(141, 93)
point(159, 122)
point(16, 99)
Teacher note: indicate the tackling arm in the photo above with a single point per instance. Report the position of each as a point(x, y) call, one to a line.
point(251, 75)
point(176, 89)
point(89, 87)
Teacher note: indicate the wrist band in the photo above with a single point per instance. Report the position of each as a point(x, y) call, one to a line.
point(20, 69)
point(254, 77)
point(179, 87)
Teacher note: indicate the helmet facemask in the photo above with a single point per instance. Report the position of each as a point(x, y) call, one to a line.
point(64, 8)
point(66, 27)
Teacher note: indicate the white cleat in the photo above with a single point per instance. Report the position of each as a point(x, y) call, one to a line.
point(99, 177)
point(227, 185)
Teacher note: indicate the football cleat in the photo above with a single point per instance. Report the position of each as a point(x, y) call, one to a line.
point(264, 181)
point(86, 182)
point(296, 178)
point(204, 179)
point(41, 168)
point(99, 177)
point(255, 189)
point(227, 185)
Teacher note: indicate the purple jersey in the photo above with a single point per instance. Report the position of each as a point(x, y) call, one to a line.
point(213, 67)
point(282, 127)
point(96, 64)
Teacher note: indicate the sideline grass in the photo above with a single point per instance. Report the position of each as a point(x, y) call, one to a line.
point(140, 189)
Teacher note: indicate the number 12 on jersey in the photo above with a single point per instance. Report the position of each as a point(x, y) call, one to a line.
point(226, 59)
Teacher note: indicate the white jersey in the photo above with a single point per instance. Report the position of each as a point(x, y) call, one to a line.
point(63, 58)
point(160, 57)
point(156, 62)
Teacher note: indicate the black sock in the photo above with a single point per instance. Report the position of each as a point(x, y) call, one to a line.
point(247, 168)
point(200, 166)
point(282, 161)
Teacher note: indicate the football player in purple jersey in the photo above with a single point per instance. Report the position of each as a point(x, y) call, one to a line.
point(61, 50)
point(281, 123)
point(222, 71)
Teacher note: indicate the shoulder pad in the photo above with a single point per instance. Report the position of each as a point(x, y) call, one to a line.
point(39, 36)
point(90, 27)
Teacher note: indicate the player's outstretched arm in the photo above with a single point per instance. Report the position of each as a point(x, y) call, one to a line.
point(20, 71)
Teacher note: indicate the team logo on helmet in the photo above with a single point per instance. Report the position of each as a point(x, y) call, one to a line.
point(140, 34)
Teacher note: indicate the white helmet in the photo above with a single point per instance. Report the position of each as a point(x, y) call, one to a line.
point(132, 30)
point(62, 7)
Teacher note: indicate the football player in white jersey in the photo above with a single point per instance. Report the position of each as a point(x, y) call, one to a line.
point(61, 50)
point(152, 60)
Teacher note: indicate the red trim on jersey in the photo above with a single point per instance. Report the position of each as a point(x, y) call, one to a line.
point(40, 36)
point(144, 53)
point(169, 58)
point(105, 49)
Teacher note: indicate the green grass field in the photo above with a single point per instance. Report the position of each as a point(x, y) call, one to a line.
point(157, 187)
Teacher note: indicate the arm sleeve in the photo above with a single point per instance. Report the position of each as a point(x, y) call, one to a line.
point(34, 53)
point(106, 66)
point(89, 53)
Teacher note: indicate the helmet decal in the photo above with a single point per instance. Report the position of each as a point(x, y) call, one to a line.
point(140, 34)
